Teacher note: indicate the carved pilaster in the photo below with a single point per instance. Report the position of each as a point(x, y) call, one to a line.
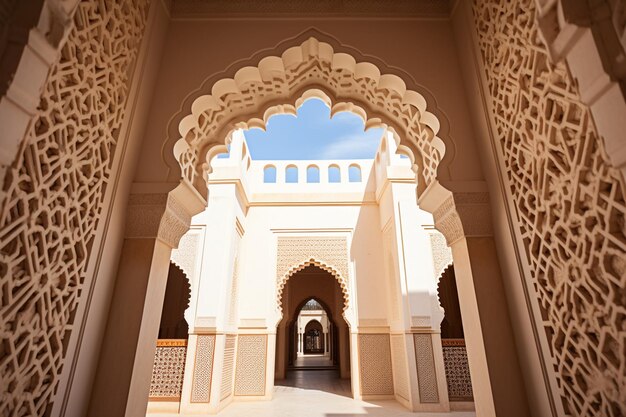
point(464, 215)
point(159, 216)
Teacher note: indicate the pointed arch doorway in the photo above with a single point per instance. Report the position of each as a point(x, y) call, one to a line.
point(313, 338)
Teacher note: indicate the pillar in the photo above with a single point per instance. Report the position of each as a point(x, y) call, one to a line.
point(465, 221)
point(326, 343)
point(155, 224)
point(417, 354)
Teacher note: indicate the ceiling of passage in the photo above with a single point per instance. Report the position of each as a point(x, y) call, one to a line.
point(309, 8)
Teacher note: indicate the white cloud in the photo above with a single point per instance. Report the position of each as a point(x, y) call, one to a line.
point(351, 146)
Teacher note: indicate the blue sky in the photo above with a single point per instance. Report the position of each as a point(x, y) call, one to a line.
point(314, 135)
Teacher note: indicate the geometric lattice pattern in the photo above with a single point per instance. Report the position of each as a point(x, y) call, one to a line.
point(203, 369)
point(251, 358)
point(426, 374)
point(569, 206)
point(52, 199)
point(277, 79)
point(375, 364)
point(457, 370)
point(168, 370)
point(400, 367)
point(228, 369)
point(295, 253)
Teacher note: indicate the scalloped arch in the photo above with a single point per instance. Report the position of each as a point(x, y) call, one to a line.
point(311, 69)
point(343, 284)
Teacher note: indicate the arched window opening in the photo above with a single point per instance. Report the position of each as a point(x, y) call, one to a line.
point(177, 296)
point(269, 174)
point(452, 324)
point(291, 174)
point(354, 173)
point(313, 338)
point(334, 174)
point(312, 174)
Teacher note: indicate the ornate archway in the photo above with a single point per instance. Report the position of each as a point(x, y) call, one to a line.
point(278, 84)
point(343, 283)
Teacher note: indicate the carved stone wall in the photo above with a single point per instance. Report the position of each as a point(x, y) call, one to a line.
point(231, 317)
point(328, 253)
point(168, 370)
point(251, 359)
point(203, 369)
point(426, 373)
point(400, 366)
point(375, 364)
point(442, 254)
point(568, 203)
point(186, 254)
point(228, 369)
point(52, 198)
point(457, 370)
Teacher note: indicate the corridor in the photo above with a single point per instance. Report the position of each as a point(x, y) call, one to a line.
point(321, 394)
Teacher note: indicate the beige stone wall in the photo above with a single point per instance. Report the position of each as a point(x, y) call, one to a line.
point(53, 194)
point(569, 206)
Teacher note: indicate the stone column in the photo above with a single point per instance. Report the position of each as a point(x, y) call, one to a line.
point(465, 221)
point(325, 343)
point(155, 224)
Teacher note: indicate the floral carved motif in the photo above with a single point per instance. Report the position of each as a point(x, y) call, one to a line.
point(569, 206)
point(52, 198)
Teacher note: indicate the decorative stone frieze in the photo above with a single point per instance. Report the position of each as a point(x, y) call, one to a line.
point(249, 98)
point(157, 215)
point(53, 194)
point(464, 215)
point(567, 204)
point(296, 253)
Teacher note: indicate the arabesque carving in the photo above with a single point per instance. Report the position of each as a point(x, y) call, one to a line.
point(248, 100)
point(52, 198)
point(296, 253)
point(568, 205)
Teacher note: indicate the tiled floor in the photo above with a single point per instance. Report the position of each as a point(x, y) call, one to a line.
point(320, 394)
point(313, 360)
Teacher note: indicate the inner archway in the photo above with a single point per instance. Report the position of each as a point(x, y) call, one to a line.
point(313, 339)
